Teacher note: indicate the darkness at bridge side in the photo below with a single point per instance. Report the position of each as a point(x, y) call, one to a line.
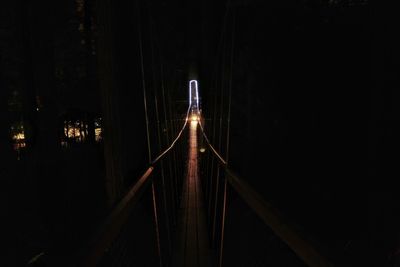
point(55, 198)
point(311, 124)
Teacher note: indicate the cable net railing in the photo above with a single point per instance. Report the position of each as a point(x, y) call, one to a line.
point(138, 231)
point(236, 209)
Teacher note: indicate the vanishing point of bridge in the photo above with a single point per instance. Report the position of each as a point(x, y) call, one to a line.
point(191, 191)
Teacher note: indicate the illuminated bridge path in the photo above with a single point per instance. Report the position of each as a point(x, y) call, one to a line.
point(168, 217)
point(192, 246)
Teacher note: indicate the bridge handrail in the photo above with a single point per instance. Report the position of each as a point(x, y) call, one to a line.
point(265, 211)
point(109, 229)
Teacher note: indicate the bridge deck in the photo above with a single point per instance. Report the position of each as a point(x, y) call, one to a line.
point(192, 245)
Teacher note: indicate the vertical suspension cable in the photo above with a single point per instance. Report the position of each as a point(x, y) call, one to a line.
point(173, 185)
point(174, 151)
point(230, 86)
point(148, 134)
point(223, 224)
point(171, 181)
point(156, 222)
point(227, 137)
point(223, 44)
point(213, 218)
point(213, 162)
point(163, 187)
point(143, 82)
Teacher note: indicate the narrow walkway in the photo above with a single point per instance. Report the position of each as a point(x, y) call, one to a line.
point(192, 247)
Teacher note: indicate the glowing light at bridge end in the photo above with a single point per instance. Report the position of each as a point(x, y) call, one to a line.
point(196, 92)
point(194, 118)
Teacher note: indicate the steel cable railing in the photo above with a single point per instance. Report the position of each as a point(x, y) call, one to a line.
point(173, 142)
point(105, 235)
point(304, 249)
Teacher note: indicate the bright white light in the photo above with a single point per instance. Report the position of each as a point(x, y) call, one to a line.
point(197, 96)
point(193, 85)
point(190, 93)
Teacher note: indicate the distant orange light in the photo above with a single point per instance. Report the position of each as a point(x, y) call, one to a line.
point(19, 136)
point(98, 134)
point(194, 118)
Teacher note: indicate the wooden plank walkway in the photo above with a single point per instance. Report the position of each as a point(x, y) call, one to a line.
point(192, 244)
